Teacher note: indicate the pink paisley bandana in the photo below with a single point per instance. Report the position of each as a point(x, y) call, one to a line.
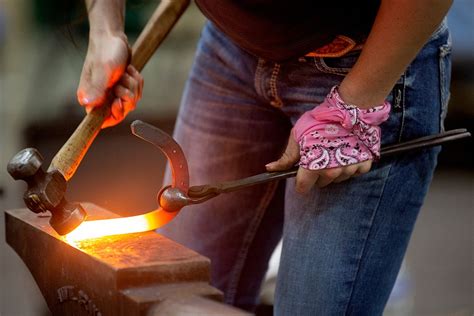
point(337, 134)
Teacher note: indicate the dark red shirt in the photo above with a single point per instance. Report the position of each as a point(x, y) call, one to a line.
point(282, 29)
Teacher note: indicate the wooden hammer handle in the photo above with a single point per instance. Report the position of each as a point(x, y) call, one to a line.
point(68, 158)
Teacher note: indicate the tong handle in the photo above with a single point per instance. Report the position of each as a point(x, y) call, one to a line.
point(211, 190)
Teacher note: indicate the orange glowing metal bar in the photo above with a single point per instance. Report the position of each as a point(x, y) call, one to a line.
point(119, 226)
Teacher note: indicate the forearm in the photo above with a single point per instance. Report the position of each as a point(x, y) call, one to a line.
point(400, 30)
point(106, 17)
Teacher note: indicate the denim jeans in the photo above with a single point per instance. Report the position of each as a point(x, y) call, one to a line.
point(343, 244)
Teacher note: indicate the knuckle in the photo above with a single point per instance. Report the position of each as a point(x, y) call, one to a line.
point(364, 168)
point(126, 79)
point(285, 157)
point(332, 173)
point(300, 187)
point(350, 170)
point(118, 90)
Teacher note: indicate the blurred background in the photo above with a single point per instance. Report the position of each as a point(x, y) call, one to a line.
point(42, 46)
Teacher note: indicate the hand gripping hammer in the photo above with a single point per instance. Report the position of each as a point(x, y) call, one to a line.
point(46, 189)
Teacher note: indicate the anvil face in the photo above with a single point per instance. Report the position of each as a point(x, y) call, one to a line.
point(115, 275)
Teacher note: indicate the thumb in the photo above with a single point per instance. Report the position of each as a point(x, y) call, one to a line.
point(289, 158)
point(92, 87)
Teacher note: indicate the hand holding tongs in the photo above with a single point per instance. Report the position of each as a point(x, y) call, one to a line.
point(200, 193)
point(173, 197)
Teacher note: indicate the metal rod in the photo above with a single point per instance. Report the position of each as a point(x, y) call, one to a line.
point(230, 186)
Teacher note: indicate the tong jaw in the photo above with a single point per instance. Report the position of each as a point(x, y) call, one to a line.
point(173, 199)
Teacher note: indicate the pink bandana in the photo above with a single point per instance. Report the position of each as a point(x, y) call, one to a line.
point(336, 134)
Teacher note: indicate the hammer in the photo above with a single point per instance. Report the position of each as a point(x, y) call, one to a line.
point(46, 189)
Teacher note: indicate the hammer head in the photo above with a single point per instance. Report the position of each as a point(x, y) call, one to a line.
point(67, 217)
point(45, 191)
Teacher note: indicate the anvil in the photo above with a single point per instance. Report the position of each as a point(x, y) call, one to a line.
point(134, 274)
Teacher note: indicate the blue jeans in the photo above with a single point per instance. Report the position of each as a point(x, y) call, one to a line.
point(342, 245)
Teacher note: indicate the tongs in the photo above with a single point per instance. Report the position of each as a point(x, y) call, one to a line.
point(200, 193)
point(173, 197)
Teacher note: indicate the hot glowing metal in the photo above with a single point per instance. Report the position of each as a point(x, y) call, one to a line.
point(119, 226)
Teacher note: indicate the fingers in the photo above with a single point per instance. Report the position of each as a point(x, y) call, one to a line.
point(289, 158)
point(346, 173)
point(130, 88)
point(327, 176)
point(135, 83)
point(364, 167)
point(128, 92)
point(123, 93)
point(117, 114)
point(306, 179)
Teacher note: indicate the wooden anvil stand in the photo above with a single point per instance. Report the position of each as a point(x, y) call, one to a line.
point(135, 274)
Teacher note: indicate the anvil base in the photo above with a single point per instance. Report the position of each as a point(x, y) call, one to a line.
point(135, 274)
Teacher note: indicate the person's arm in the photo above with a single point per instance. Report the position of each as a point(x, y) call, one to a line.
point(106, 17)
point(400, 30)
point(105, 66)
